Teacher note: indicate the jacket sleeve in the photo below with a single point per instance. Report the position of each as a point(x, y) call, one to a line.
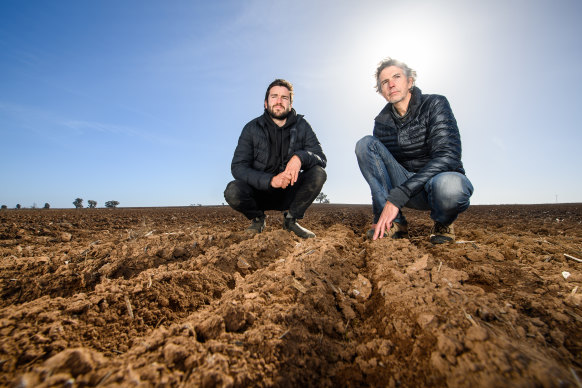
point(444, 142)
point(242, 162)
point(311, 153)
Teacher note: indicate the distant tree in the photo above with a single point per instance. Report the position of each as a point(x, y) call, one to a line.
point(92, 204)
point(18, 206)
point(322, 198)
point(33, 205)
point(78, 202)
point(4, 207)
point(111, 204)
point(47, 206)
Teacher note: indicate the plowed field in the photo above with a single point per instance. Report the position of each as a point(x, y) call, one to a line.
point(180, 297)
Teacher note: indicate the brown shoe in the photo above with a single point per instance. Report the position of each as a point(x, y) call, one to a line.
point(441, 233)
point(396, 231)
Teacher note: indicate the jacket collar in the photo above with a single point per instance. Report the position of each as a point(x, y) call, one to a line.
point(385, 115)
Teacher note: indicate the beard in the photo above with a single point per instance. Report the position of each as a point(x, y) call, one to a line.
point(280, 115)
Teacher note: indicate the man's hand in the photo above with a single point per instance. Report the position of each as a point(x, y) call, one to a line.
point(388, 215)
point(281, 180)
point(292, 168)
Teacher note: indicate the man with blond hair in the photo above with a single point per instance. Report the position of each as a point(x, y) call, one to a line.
point(413, 158)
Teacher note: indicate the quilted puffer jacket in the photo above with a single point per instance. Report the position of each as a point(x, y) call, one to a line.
point(426, 141)
point(252, 152)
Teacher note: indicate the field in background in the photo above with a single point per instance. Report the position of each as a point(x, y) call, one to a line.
point(182, 297)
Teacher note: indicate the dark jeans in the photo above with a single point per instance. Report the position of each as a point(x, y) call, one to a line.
point(297, 198)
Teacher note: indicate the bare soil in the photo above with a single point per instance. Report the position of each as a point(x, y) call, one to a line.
point(183, 297)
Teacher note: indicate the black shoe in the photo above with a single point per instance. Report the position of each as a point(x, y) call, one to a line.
point(291, 225)
point(441, 233)
point(257, 225)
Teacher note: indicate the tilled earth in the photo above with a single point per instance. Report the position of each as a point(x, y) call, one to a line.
point(182, 297)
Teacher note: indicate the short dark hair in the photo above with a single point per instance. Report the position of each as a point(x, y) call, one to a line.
point(280, 82)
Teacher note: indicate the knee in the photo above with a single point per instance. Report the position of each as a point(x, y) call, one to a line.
point(234, 192)
point(319, 176)
point(452, 191)
point(364, 144)
point(316, 177)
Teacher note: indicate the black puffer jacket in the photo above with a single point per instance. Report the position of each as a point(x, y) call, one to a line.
point(426, 141)
point(252, 152)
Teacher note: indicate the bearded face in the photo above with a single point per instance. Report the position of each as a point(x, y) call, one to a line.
point(278, 102)
point(278, 111)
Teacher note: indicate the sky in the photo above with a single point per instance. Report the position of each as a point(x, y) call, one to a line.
point(143, 101)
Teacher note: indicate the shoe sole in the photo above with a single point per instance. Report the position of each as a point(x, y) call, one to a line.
point(253, 230)
point(440, 239)
point(312, 235)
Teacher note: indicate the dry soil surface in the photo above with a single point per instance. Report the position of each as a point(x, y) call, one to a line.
point(182, 297)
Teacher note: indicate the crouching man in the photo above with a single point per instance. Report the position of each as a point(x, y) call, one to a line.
point(413, 158)
point(278, 164)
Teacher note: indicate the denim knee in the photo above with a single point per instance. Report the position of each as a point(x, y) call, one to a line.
point(363, 145)
point(450, 192)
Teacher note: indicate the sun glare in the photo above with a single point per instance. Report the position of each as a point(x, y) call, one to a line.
point(427, 45)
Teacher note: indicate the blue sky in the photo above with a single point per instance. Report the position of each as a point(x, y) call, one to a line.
point(143, 101)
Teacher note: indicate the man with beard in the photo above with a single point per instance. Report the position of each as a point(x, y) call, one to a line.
point(414, 157)
point(278, 164)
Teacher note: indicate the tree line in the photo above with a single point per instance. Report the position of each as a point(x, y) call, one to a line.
point(91, 204)
point(78, 203)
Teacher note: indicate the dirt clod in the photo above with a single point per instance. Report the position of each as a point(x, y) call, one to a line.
point(182, 297)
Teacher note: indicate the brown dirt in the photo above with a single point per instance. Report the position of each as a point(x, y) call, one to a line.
point(181, 297)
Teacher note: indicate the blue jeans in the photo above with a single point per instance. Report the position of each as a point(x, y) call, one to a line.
point(446, 194)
